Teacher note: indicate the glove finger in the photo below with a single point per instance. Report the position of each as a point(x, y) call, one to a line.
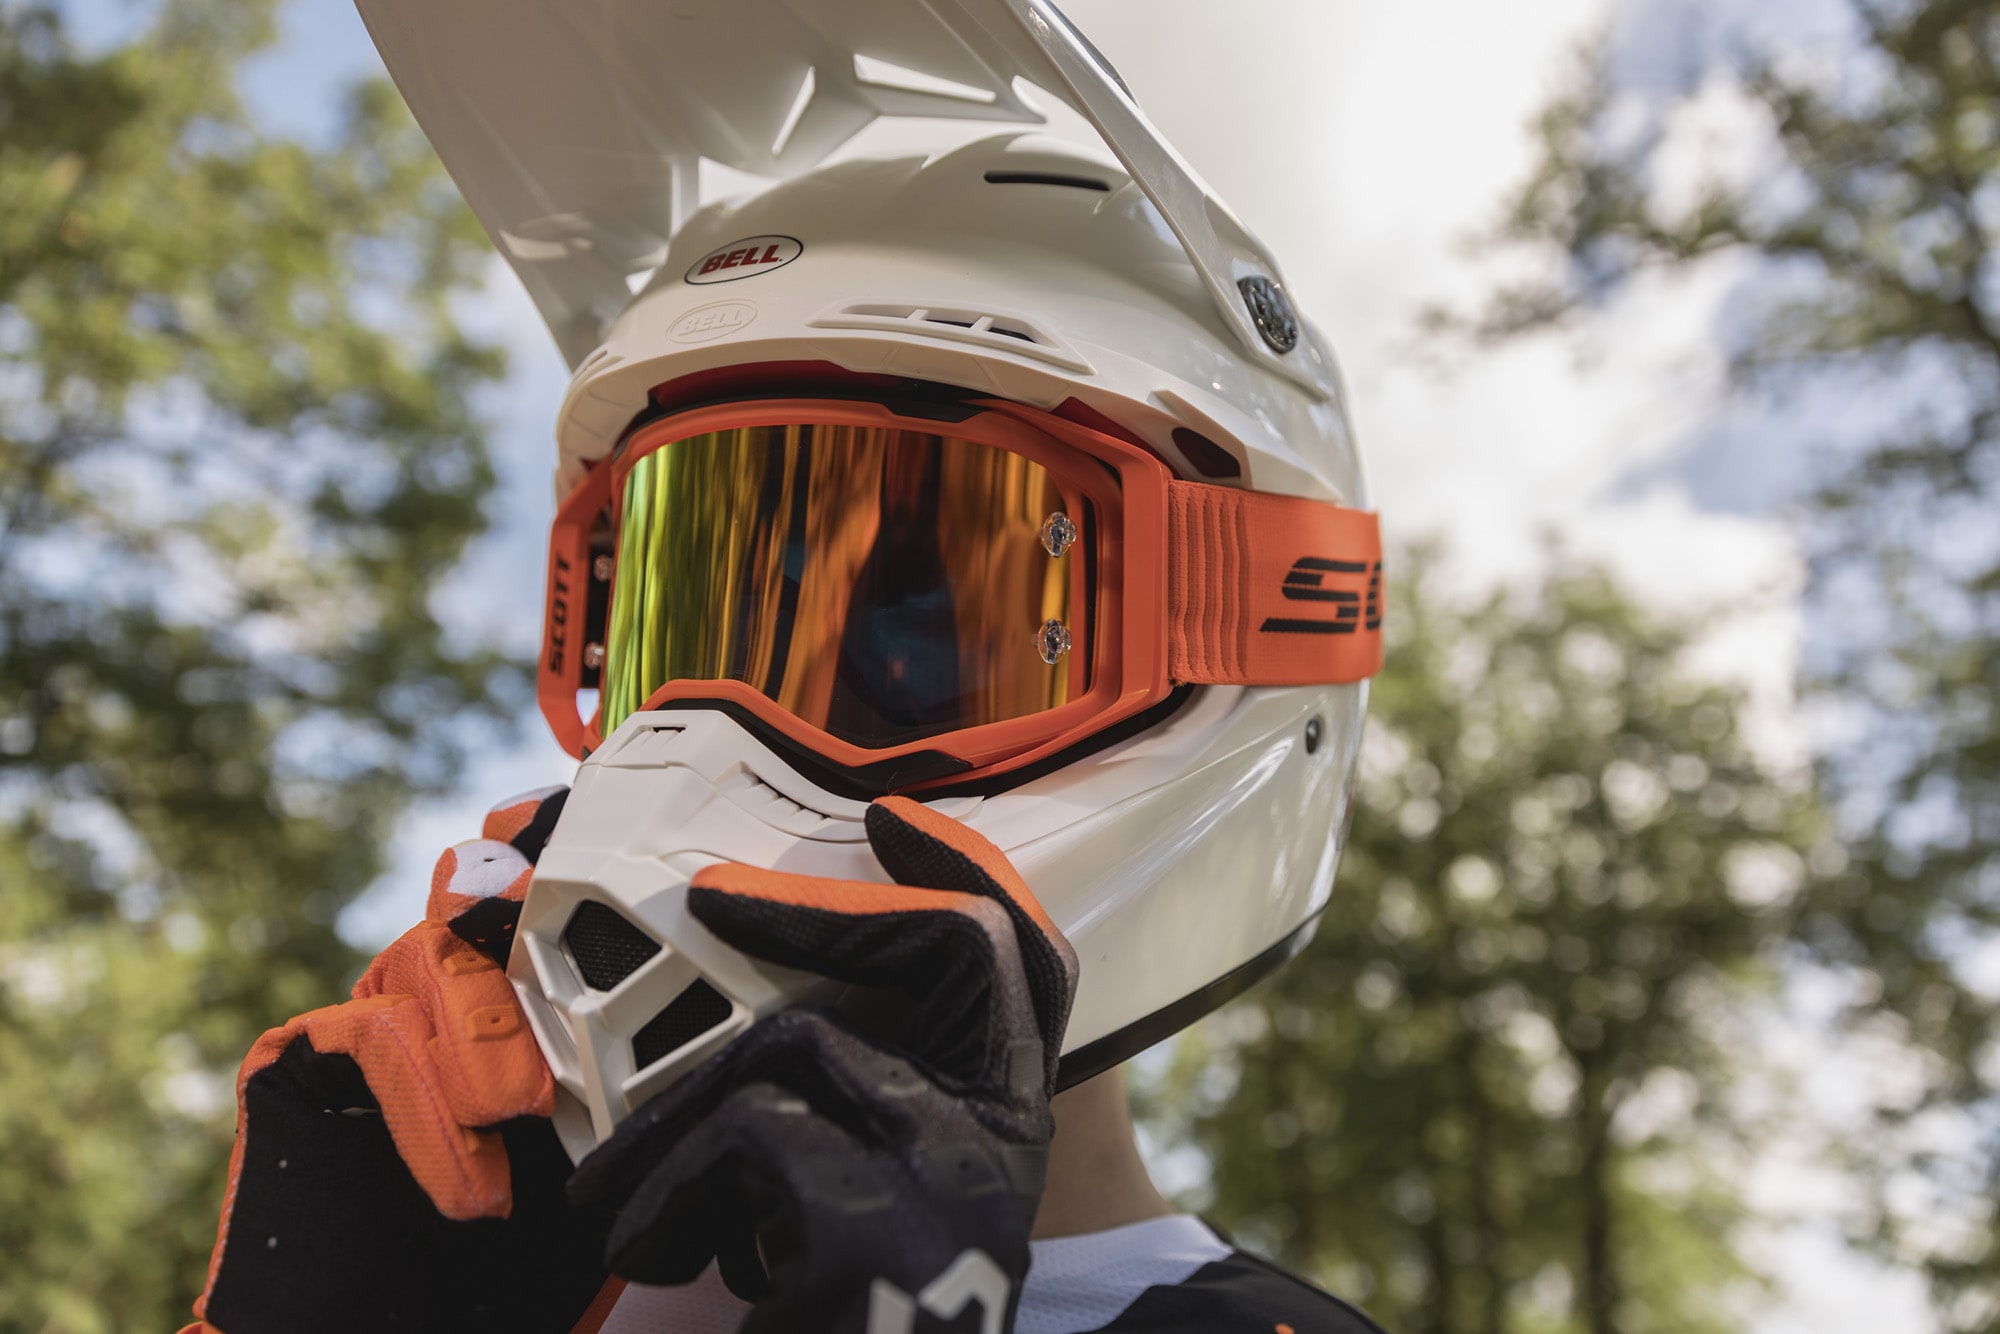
point(526, 821)
point(807, 1053)
point(476, 890)
point(477, 886)
point(490, 1069)
point(487, 1064)
point(738, 1258)
point(831, 1212)
point(463, 1171)
point(920, 846)
point(957, 955)
point(829, 1216)
point(711, 1185)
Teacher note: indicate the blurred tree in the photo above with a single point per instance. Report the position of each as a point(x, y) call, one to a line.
point(236, 454)
point(1491, 1095)
point(1853, 190)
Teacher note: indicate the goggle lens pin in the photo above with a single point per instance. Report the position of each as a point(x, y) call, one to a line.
point(1058, 533)
point(1053, 641)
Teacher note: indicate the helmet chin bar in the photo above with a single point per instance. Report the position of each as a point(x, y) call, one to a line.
point(1093, 1059)
point(625, 991)
point(1132, 849)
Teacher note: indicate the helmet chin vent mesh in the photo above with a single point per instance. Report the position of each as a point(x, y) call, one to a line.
point(607, 948)
point(687, 1016)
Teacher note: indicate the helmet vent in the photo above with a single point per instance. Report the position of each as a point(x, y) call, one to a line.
point(959, 324)
point(602, 359)
point(1046, 178)
point(1208, 458)
point(643, 748)
point(607, 948)
point(780, 810)
point(687, 1016)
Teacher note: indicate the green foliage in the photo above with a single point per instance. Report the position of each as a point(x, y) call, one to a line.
point(1490, 1096)
point(1869, 241)
point(236, 454)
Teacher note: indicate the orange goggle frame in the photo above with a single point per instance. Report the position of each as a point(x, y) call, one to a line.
point(1194, 584)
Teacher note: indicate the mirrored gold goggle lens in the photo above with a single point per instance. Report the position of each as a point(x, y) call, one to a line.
point(882, 585)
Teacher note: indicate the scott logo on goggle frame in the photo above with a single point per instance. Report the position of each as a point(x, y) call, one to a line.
point(1305, 581)
point(745, 258)
point(557, 634)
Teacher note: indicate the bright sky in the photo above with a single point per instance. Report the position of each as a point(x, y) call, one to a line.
point(1366, 143)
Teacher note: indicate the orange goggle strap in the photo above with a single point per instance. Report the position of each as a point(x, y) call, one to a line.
point(1266, 589)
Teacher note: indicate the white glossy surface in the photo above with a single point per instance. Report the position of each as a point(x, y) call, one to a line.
point(1118, 317)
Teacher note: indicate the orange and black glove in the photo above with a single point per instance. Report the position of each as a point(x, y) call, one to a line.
point(394, 1166)
point(849, 1182)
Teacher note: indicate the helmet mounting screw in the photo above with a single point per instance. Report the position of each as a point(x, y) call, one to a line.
point(601, 568)
point(593, 656)
point(1058, 533)
point(1314, 730)
point(1271, 311)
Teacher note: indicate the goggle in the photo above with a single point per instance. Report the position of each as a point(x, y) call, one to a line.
point(919, 595)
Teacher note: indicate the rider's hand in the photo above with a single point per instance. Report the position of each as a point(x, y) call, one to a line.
point(394, 1165)
point(845, 1183)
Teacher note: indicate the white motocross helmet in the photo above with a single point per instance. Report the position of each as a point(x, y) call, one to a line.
point(1004, 477)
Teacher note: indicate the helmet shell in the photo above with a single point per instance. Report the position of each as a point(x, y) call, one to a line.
point(1087, 294)
point(1183, 859)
